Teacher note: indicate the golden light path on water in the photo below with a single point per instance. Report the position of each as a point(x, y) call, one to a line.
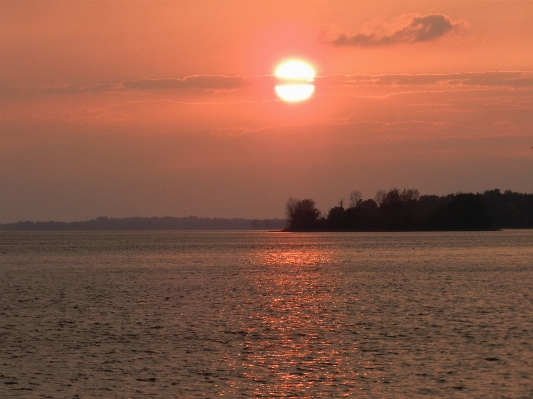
point(298, 345)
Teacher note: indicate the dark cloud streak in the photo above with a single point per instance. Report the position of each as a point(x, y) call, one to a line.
point(511, 79)
point(213, 82)
point(199, 82)
point(420, 29)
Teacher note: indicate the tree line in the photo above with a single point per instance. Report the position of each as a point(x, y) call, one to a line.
point(407, 210)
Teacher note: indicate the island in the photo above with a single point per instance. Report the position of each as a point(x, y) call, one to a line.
point(407, 210)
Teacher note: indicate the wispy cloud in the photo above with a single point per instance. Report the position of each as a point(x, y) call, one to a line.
point(416, 29)
point(213, 82)
point(201, 82)
point(208, 87)
point(510, 79)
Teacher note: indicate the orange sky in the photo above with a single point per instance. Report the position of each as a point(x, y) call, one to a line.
point(157, 108)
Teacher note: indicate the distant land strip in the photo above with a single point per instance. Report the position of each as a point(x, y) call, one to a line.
point(149, 223)
point(395, 210)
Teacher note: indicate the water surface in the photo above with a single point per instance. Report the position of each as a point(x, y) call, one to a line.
point(256, 314)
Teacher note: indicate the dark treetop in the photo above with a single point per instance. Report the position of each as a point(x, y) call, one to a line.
point(406, 210)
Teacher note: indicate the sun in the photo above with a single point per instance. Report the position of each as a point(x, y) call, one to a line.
point(296, 78)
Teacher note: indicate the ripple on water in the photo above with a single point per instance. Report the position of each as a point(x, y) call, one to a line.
point(266, 315)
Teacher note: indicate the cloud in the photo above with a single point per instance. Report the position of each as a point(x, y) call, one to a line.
point(201, 82)
point(213, 82)
point(70, 89)
point(417, 29)
point(515, 80)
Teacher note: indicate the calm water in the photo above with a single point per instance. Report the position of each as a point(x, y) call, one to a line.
point(253, 314)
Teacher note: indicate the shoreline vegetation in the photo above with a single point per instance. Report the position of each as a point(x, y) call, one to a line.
point(391, 211)
point(406, 210)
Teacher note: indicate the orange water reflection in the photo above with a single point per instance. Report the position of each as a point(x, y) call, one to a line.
point(292, 257)
point(298, 341)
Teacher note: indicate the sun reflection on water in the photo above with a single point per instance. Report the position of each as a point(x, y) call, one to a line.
point(292, 257)
point(297, 341)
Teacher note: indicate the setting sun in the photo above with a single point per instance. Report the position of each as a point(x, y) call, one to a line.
point(296, 78)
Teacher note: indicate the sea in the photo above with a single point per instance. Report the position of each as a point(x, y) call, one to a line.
point(248, 314)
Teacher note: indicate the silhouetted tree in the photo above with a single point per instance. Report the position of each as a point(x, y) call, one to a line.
point(380, 196)
point(398, 208)
point(364, 216)
point(406, 210)
point(369, 205)
point(510, 209)
point(392, 197)
point(337, 218)
point(463, 212)
point(425, 205)
point(355, 198)
point(301, 214)
point(411, 194)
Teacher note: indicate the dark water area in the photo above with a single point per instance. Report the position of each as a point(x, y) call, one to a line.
point(257, 314)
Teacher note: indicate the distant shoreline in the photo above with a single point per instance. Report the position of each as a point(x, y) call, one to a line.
point(390, 230)
point(166, 223)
